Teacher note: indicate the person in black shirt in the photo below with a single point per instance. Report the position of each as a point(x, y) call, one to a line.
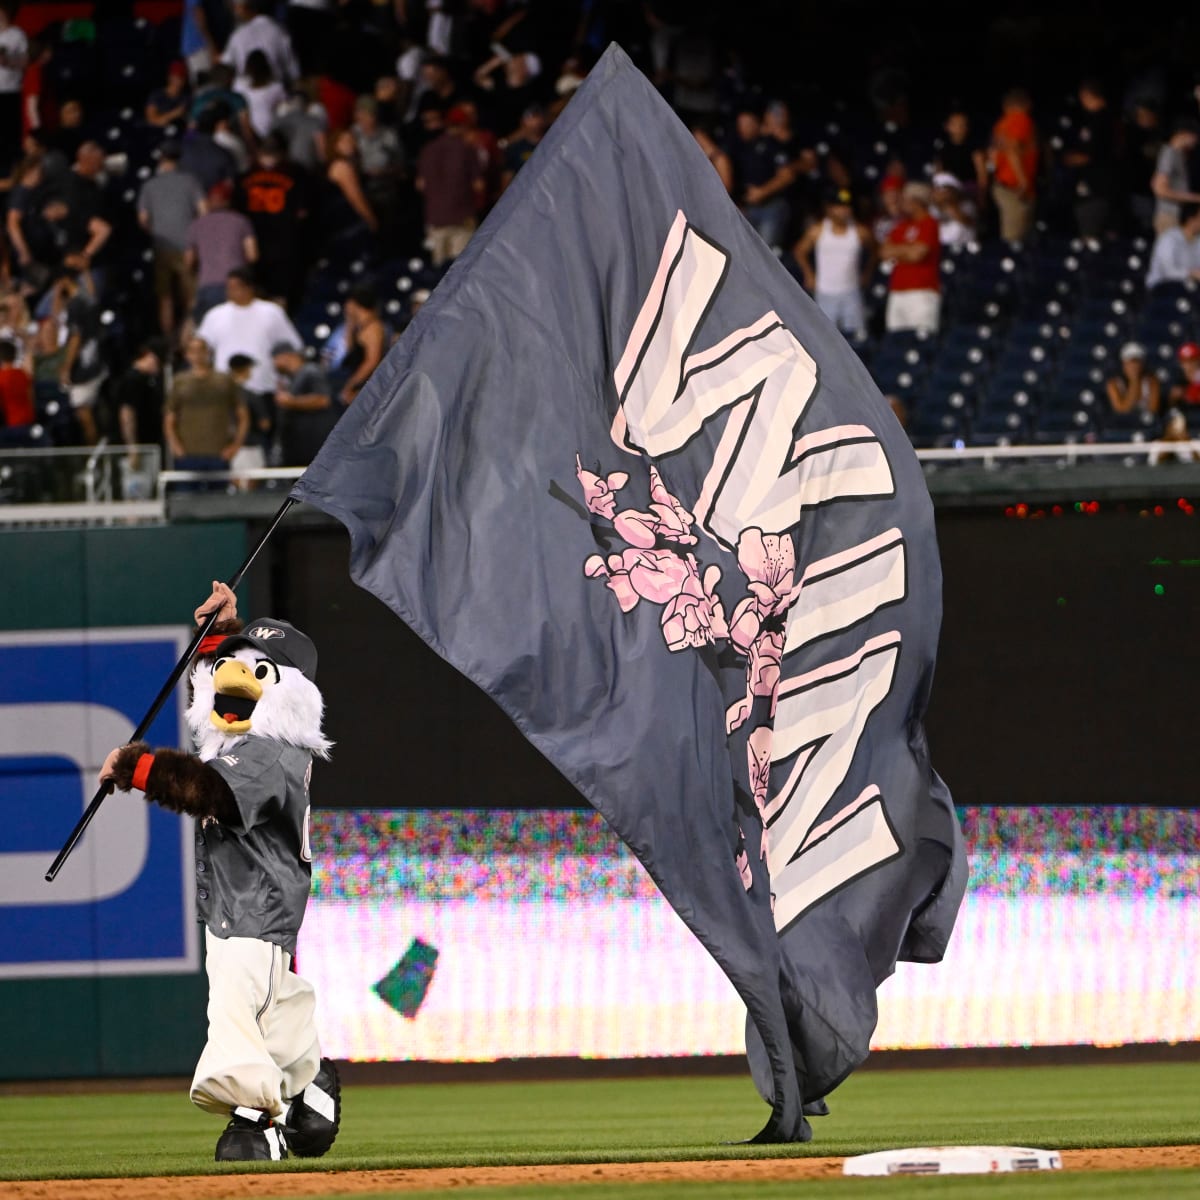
point(85, 227)
point(70, 133)
point(759, 180)
point(959, 153)
point(790, 162)
point(508, 85)
point(138, 398)
point(82, 370)
point(29, 232)
point(439, 95)
point(1143, 139)
point(520, 148)
point(1091, 160)
point(274, 194)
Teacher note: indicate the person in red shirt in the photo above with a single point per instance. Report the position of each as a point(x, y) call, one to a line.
point(915, 290)
point(1014, 160)
point(1187, 391)
point(38, 110)
point(16, 389)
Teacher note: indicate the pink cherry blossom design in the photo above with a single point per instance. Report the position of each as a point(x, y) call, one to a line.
point(633, 575)
point(674, 521)
point(745, 623)
point(769, 562)
point(743, 866)
point(659, 575)
point(764, 658)
point(695, 616)
point(763, 669)
point(758, 755)
point(667, 519)
point(599, 491)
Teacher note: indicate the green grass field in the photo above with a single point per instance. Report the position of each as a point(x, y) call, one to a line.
point(614, 1120)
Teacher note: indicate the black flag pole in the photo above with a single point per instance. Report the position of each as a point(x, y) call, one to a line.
point(164, 693)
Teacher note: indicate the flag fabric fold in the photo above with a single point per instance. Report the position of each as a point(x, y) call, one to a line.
point(623, 474)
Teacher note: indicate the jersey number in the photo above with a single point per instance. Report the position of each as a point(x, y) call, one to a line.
point(305, 839)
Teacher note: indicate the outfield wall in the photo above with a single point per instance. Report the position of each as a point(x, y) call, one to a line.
point(1061, 682)
point(99, 971)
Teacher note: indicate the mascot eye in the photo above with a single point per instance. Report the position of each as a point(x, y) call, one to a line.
point(266, 672)
point(219, 664)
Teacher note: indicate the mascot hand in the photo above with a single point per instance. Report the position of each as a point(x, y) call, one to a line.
point(223, 599)
point(120, 765)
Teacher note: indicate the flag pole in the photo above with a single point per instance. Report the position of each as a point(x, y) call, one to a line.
point(164, 692)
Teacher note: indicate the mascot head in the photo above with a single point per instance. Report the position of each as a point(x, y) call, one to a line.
point(259, 683)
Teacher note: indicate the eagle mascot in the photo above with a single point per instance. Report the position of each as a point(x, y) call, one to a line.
point(255, 717)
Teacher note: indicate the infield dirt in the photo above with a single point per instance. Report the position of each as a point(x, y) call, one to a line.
point(350, 1183)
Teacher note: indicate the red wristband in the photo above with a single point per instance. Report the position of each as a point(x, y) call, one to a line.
point(141, 773)
point(208, 645)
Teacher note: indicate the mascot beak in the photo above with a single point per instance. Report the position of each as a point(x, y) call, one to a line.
point(237, 692)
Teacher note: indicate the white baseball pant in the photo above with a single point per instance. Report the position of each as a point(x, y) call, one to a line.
point(262, 1041)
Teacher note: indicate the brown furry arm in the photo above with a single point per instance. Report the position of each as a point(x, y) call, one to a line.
point(179, 782)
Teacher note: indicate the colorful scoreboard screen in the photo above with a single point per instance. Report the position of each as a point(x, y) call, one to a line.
point(472, 935)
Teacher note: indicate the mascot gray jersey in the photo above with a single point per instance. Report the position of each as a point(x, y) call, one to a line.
point(253, 873)
point(252, 878)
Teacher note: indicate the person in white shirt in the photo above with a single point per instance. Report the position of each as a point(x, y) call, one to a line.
point(257, 31)
point(246, 325)
point(1176, 253)
point(262, 92)
point(844, 253)
point(955, 215)
point(14, 50)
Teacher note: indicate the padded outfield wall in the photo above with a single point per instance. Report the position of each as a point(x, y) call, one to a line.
point(1064, 681)
point(99, 971)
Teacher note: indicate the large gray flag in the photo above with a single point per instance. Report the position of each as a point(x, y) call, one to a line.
point(623, 474)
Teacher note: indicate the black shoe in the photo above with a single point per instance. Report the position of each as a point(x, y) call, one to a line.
point(251, 1137)
point(313, 1117)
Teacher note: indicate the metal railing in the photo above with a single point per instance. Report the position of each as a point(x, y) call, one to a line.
point(1150, 453)
point(103, 484)
point(168, 479)
point(121, 484)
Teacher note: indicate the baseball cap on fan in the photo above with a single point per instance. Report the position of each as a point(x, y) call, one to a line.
point(1189, 352)
point(281, 642)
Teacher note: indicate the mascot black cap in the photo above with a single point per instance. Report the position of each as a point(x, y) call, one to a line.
point(282, 643)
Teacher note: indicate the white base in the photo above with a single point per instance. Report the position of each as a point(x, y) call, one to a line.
point(953, 1160)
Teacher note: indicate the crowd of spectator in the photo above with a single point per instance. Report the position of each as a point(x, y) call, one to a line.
point(159, 257)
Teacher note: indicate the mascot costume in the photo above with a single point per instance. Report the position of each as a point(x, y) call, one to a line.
point(256, 716)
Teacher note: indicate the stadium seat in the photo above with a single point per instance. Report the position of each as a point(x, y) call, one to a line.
point(999, 429)
point(74, 70)
point(963, 356)
point(897, 380)
point(1069, 426)
point(947, 379)
point(937, 429)
point(1001, 399)
point(1145, 424)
